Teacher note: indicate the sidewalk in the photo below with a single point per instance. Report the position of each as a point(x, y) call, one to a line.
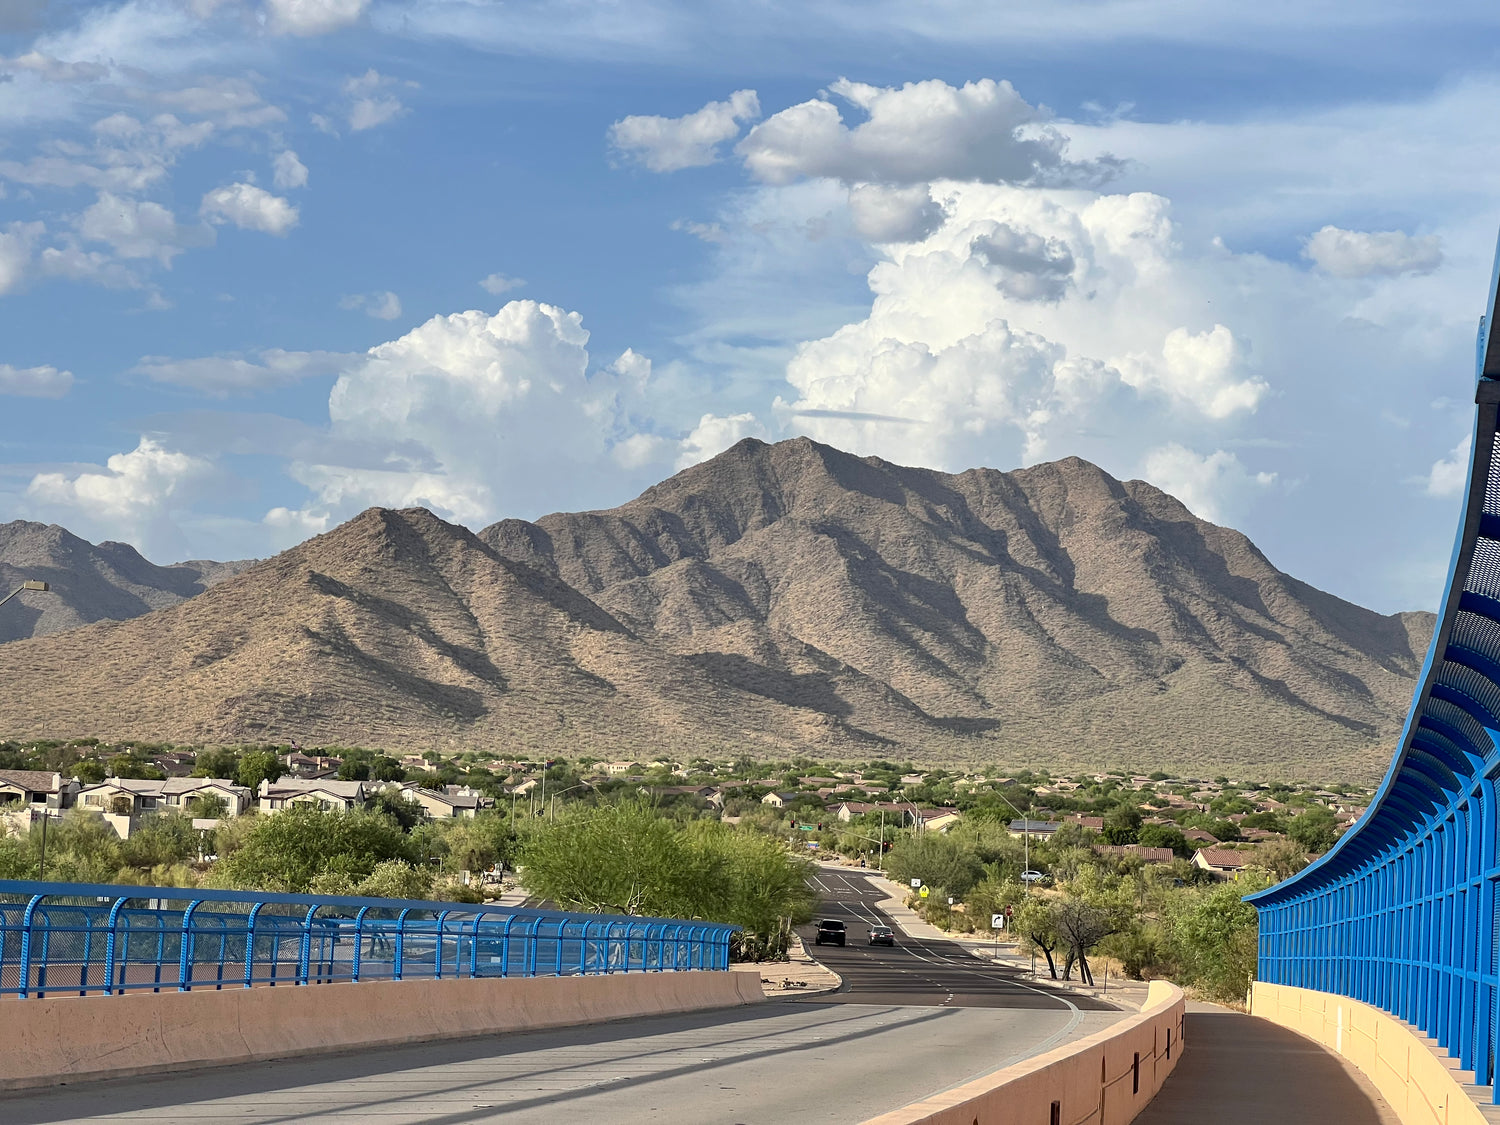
point(1240, 1070)
point(798, 976)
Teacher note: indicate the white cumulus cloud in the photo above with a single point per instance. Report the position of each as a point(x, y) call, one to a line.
point(371, 102)
point(1383, 253)
point(1026, 319)
point(232, 374)
point(313, 17)
point(1205, 369)
point(713, 434)
point(17, 242)
point(250, 208)
point(382, 304)
point(133, 497)
point(1448, 474)
point(34, 382)
point(498, 283)
point(140, 229)
point(288, 171)
point(474, 415)
point(890, 214)
point(1216, 487)
point(923, 131)
point(667, 144)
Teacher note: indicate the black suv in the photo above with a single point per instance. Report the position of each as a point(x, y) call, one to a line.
point(830, 930)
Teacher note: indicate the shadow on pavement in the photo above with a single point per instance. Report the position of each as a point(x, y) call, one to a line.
point(1239, 1070)
point(183, 1088)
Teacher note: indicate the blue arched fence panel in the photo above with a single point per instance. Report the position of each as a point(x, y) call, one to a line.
point(84, 939)
point(1403, 912)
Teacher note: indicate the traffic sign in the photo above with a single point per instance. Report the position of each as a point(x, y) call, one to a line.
point(997, 921)
point(923, 892)
point(916, 882)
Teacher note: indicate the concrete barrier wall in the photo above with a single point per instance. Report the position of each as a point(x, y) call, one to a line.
point(1105, 1079)
point(1420, 1086)
point(66, 1039)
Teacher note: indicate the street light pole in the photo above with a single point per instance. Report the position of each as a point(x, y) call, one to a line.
point(1025, 838)
point(40, 587)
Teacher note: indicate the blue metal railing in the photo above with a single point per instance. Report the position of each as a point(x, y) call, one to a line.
point(87, 939)
point(1403, 912)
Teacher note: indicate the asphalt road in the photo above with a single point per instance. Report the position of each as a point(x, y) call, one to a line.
point(938, 973)
point(909, 1021)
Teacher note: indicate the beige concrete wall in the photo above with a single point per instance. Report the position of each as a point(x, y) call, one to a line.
point(44, 1042)
point(1105, 1079)
point(1420, 1086)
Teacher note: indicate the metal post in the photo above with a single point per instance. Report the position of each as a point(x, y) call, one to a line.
point(26, 920)
point(41, 867)
point(185, 950)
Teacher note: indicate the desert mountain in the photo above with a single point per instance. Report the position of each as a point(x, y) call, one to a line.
point(776, 598)
point(90, 582)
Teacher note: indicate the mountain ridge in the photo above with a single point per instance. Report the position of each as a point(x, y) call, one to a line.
point(774, 598)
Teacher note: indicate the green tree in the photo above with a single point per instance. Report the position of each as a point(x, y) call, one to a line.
point(1035, 923)
point(939, 859)
point(405, 811)
point(90, 771)
point(1315, 829)
point(161, 841)
point(1213, 933)
point(223, 764)
point(289, 849)
point(258, 766)
point(207, 806)
point(384, 768)
point(354, 769)
point(1164, 836)
point(609, 859)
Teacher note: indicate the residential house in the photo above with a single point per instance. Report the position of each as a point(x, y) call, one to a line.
point(848, 810)
point(440, 804)
point(937, 820)
point(310, 765)
point(1198, 836)
point(1034, 827)
point(779, 800)
point(1225, 863)
point(178, 763)
point(40, 789)
point(1094, 823)
point(321, 792)
point(125, 802)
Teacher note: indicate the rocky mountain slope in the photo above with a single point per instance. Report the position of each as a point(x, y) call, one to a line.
point(90, 582)
point(776, 598)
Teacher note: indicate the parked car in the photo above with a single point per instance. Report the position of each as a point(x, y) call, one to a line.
point(882, 935)
point(830, 931)
point(1033, 877)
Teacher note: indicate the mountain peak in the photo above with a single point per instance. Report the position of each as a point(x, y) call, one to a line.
point(780, 598)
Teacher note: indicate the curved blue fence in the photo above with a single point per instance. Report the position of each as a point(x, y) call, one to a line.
point(1402, 912)
point(83, 939)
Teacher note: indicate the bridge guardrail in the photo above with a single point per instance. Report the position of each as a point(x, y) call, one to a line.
point(99, 939)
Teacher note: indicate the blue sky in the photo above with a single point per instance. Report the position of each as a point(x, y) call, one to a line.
point(264, 263)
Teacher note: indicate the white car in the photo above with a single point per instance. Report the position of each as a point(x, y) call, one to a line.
point(1032, 877)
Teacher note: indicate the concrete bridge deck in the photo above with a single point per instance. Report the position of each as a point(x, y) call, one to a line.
point(1240, 1070)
